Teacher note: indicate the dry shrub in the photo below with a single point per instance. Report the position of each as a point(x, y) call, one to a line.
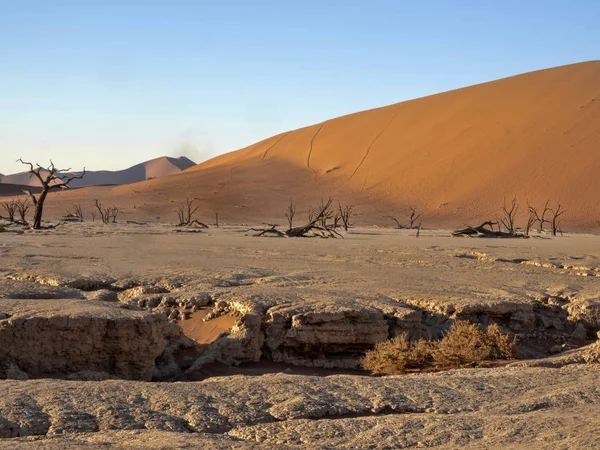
point(397, 356)
point(468, 343)
point(465, 343)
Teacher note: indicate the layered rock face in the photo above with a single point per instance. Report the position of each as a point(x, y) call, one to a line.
point(307, 330)
point(62, 337)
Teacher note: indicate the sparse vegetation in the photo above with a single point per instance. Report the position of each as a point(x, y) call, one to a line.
point(317, 225)
point(464, 344)
point(186, 212)
point(555, 222)
point(11, 208)
point(290, 213)
point(508, 215)
point(398, 356)
point(398, 224)
point(345, 214)
point(413, 217)
point(539, 218)
point(107, 214)
point(467, 343)
point(14, 207)
point(76, 215)
point(507, 220)
point(23, 206)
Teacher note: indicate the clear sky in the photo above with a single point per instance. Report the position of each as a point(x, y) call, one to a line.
point(107, 83)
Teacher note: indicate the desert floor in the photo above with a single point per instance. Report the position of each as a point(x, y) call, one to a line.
point(272, 332)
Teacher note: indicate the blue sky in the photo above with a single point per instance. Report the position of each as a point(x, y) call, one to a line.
point(107, 84)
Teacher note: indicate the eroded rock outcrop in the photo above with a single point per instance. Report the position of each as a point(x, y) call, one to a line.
point(312, 330)
point(61, 337)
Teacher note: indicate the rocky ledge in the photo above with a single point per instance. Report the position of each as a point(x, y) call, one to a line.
point(78, 338)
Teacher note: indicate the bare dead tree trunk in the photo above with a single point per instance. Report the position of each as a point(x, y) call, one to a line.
point(290, 213)
point(555, 223)
point(23, 206)
point(398, 224)
point(217, 219)
point(103, 213)
point(531, 219)
point(509, 213)
point(106, 214)
point(486, 230)
point(313, 228)
point(336, 221)
point(540, 218)
point(413, 217)
point(10, 207)
point(345, 213)
point(78, 212)
point(114, 212)
point(186, 212)
point(51, 180)
point(325, 212)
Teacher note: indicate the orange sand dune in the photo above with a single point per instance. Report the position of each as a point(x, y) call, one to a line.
point(453, 155)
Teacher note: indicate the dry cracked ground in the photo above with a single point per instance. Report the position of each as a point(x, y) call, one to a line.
point(137, 336)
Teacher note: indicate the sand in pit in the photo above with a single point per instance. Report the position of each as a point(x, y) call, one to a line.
point(205, 333)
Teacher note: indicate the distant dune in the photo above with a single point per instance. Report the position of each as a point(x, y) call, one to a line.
point(453, 155)
point(156, 168)
point(15, 189)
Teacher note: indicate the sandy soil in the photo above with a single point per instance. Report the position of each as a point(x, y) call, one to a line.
point(276, 404)
point(368, 260)
point(206, 332)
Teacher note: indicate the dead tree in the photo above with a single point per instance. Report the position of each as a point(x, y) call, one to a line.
point(399, 226)
point(509, 213)
point(271, 230)
point(531, 219)
point(76, 216)
point(186, 212)
point(325, 212)
point(311, 214)
point(106, 214)
point(314, 227)
point(413, 217)
point(486, 230)
point(290, 213)
point(317, 225)
point(10, 208)
point(78, 212)
point(216, 219)
point(539, 218)
point(23, 206)
point(50, 178)
point(336, 221)
point(555, 223)
point(113, 212)
point(345, 213)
